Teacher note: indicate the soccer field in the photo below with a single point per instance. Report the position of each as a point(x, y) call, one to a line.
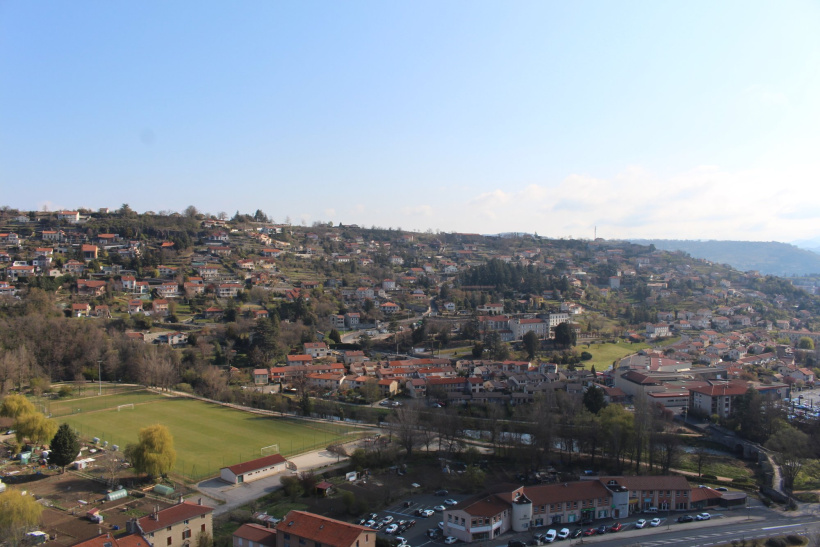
point(207, 436)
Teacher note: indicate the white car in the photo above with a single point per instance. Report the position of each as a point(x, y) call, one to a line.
point(550, 536)
point(449, 540)
point(703, 516)
point(641, 523)
point(439, 508)
point(655, 522)
point(450, 501)
point(564, 533)
point(387, 520)
point(391, 529)
point(401, 541)
point(427, 513)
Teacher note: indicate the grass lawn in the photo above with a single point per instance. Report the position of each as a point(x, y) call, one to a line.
point(604, 354)
point(90, 401)
point(206, 436)
point(720, 466)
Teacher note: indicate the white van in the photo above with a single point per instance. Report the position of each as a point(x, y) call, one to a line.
point(651, 510)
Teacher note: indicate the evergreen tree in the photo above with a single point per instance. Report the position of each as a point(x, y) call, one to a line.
point(65, 446)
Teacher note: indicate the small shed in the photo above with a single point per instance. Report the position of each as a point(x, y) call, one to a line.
point(324, 488)
point(733, 499)
point(94, 515)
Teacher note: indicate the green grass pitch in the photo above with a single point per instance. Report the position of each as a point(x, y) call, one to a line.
point(207, 436)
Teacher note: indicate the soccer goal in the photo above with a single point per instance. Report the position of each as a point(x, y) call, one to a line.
point(129, 406)
point(268, 450)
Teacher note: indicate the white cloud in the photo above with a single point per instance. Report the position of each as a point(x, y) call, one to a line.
point(705, 202)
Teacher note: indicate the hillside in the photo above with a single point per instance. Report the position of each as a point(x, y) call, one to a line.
point(767, 257)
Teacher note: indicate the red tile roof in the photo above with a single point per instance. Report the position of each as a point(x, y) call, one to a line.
point(131, 540)
point(323, 530)
point(258, 463)
point(257, 534)
point(172, 515)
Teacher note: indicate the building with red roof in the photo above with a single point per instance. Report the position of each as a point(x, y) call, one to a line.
point(254, 469)
point(309, 530)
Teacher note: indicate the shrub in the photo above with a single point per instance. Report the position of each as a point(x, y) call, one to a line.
point(776, 542)
point(586, 356)
point(794, 539)
point(741, 479)
point(709, 477)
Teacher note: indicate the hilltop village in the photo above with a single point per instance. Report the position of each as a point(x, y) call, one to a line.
point(545, 352)
point(197, 282)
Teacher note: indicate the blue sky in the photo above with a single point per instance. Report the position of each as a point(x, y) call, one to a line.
point(645, 119)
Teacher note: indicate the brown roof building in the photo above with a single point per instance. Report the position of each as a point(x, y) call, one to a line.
point(301, 529)
point(254, 535)
point(180, 524)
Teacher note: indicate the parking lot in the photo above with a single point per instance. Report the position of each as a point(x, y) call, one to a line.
point(417, 535)
point(408, 510)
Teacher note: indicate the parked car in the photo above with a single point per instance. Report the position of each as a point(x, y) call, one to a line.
point(703, 516)
point(370, 523)
point(655, 522)
point(449, 540)
point(685, 518)
point(450, 501)
point(401, 540)
point(427, 513)
point(722, 489)
point(602, 529)
point(442, 492)
point(589, 532)
point(640, 523)
point(391, 529)
point(439, 508)
point(387, 519)
point(550, 536)
point(617, 527)
point(563, 533)
point(441, 525)
point(576, 533)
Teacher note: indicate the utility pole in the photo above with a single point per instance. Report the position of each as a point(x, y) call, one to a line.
point(99, 373)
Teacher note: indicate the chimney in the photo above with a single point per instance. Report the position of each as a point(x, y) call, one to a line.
point(199, 501)
point(180, 499)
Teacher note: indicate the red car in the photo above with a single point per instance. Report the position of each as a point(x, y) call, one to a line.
point(589, 532)
point(617, 527)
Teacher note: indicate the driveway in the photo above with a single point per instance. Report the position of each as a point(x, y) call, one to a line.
point(230, 496)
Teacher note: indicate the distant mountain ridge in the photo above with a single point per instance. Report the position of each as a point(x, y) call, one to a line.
point(767, 257)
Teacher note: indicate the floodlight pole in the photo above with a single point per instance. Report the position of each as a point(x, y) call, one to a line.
point(99, 373)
